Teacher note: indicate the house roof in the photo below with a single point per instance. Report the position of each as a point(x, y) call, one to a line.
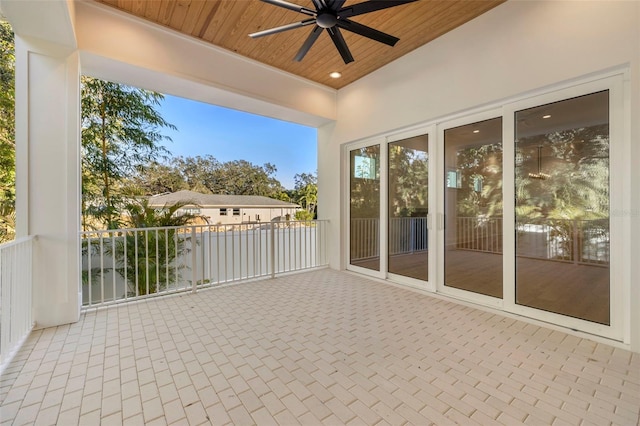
point(217, 200)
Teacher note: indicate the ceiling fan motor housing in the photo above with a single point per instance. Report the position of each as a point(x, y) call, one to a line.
point(326, 20)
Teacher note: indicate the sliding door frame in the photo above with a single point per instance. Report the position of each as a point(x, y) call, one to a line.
point(381, 142)
point(430, 132)
point(618, 181)
point(440, 183)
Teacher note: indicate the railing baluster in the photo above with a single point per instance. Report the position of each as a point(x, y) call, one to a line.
point(218, 253)
point(89, 269)
point(157, 258)
point(166, 259)
point(102, 268)
point(125, 265)
point(272, 250)
point(113, 264)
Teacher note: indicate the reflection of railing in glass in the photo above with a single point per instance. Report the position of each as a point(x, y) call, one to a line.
point(406, 235)
point(479, 234)
point(578, 241)
point(365, 238)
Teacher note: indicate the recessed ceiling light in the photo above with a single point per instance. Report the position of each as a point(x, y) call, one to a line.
point(335, 74)
point(476, 131)
point(546, 116)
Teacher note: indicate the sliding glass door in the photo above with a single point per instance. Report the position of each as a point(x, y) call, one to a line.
point(408, 201)
point(562, 207)
point(473, 207)
point(364, 207)
point(519, 217)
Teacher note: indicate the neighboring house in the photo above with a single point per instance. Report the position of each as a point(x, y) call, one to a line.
point(228, 209)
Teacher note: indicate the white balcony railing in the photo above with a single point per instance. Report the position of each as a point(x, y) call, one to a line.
point(127, 264)
point(16, 319)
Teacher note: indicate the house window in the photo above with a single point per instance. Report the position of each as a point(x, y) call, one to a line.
point(236, 212)
point(190, 210)
point(223, 211)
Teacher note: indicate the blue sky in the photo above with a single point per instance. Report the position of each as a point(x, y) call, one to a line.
point(227, 134)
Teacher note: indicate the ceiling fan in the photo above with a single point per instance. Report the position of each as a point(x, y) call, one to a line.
point(332, 16)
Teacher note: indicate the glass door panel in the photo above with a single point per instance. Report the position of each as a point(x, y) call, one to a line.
point(408, 251)
point(473, 207)
point(562, 207)
point(364, 194)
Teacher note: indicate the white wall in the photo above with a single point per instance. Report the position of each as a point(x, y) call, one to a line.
point(247, 214)
point(516, 48)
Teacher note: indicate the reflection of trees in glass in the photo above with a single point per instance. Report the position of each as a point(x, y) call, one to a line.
point(577, 162)
point(365, 191)
point(573, 195)
point(480, 169)
point(408, 171)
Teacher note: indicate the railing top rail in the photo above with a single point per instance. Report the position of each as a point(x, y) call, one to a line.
point(18, 241)
point(98, 232)
point(112, 231)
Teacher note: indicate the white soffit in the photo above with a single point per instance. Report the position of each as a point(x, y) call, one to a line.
point(42, 19)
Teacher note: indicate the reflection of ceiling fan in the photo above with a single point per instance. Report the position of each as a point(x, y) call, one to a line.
point(331, 15)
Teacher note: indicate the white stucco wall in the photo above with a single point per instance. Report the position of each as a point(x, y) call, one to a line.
point(246, 215)
point(516, 48)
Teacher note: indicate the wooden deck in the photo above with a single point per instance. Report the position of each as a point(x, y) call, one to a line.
point(576, 290)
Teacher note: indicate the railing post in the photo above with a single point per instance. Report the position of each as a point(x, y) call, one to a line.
point(273, 250)
point(194, 261)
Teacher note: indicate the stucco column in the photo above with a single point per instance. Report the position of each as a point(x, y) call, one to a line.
point(48, 174)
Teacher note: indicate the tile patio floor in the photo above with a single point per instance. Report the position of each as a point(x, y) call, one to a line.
point(322, 347)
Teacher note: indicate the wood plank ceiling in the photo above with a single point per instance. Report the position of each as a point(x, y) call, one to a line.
point(227, 23)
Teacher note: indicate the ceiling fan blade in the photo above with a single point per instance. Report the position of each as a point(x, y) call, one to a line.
point(283, 28)
point(291, 6)
point(319, 4)
point(368, 32)
point(341, 45)
point(313, 36)
point(336, 4)
point(369, 6)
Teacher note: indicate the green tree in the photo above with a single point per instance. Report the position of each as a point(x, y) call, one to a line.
point(206, 174)
point(158, 178)
point(240, 177)
point(7, 133)
point(198, 173)
point(120, 135)
point(306, 194)
point(146, 258)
